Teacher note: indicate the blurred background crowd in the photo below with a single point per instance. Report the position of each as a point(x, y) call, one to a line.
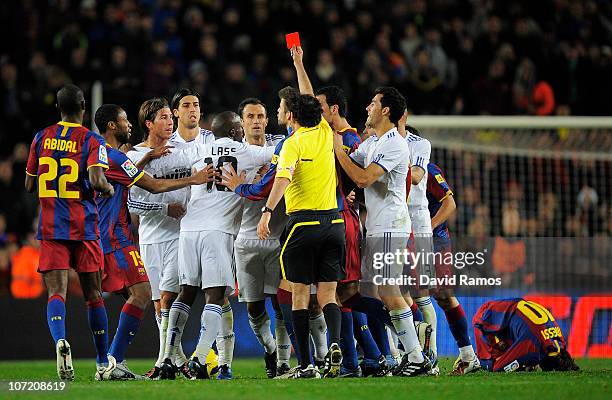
point(520, 57)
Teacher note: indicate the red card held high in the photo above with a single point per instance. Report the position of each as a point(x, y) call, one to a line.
point(293, 39)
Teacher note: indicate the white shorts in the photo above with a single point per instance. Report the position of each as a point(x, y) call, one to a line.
point(373, 265)
point(421, 222)
point(206, 259)
point(423, 243)
point(257, 268)
point(161, 264)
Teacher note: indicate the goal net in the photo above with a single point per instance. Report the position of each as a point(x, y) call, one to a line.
point(533, 194)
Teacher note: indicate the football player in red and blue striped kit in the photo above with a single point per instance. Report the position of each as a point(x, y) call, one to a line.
point(66, 164)
point(517, 335)
point(124, 271)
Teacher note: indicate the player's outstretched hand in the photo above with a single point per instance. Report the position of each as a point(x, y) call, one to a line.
point(297, 54)
point(176, 210)
point(231, 179)
point(159, 152)
point(263, 230)
point(205, 175)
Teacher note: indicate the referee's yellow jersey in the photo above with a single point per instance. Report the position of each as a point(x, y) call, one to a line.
point(307, 159)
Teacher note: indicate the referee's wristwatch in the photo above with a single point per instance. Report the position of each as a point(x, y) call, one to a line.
point(266, 209)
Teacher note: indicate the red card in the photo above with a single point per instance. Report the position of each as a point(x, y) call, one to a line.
point(293, 39)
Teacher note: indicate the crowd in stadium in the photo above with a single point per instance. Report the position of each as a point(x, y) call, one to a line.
point(447, 57)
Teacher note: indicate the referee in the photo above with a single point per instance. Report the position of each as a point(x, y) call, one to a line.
point(313, 241)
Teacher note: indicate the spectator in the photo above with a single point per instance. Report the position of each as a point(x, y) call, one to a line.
point(531, 96)
point(26, 282)
point(491, 94)
point(5, 272)
point(588, 215)
point(3, 235)
point(509, 252)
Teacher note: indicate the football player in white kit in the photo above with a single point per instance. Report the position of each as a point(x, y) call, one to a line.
point(208, 230)
point(257, 261)
point(160, 214)
point(159, 225)
point(420, 152)
point(380, 165)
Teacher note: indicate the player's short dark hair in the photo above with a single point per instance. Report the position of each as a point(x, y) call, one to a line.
point(178, 96)
point(250, 100)
point(413, 130)
point(224, 122)
point(306, 110)
point(289, 94)
point(70, 99)
point(148, 111)
point(105, 114)
point(392, 98)
point(334, 95)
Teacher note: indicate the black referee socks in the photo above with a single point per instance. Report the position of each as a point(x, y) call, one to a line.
point(333, 319)
point(301, 319)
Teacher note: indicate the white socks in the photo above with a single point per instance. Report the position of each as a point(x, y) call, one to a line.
point(225, 338)
point(210, 326)
point(393, 342)
point(163, 331)
point(261, 328)
point(318, 332)
point(404, 326)
point(283, 343)
point(429, 315)
point(177, 318)
point(467, 353)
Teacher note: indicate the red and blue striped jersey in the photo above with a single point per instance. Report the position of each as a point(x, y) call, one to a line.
point(115, 222)
point(60, 156)
point(350, 142)
point(437, 190)
point(261, 190)
point(508, 322)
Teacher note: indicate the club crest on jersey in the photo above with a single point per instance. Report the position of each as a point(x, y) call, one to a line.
point(102, 155)
point(129, 168)
point(274, 159)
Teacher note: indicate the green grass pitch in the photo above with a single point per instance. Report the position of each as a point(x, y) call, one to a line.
point(250, 383)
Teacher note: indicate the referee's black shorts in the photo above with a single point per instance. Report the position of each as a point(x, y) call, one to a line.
point(312, 247)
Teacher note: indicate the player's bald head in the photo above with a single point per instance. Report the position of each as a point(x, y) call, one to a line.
point(70, 100)
point(227, 124)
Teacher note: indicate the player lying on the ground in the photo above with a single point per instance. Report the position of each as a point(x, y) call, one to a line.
point(518, 335)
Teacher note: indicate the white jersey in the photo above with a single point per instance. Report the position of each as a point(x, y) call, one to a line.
point(252, 209)
point(212, 206)
point(420, 152)
point(252, 214)
point(155, 224)
point(385, 199)
point(204, 137)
